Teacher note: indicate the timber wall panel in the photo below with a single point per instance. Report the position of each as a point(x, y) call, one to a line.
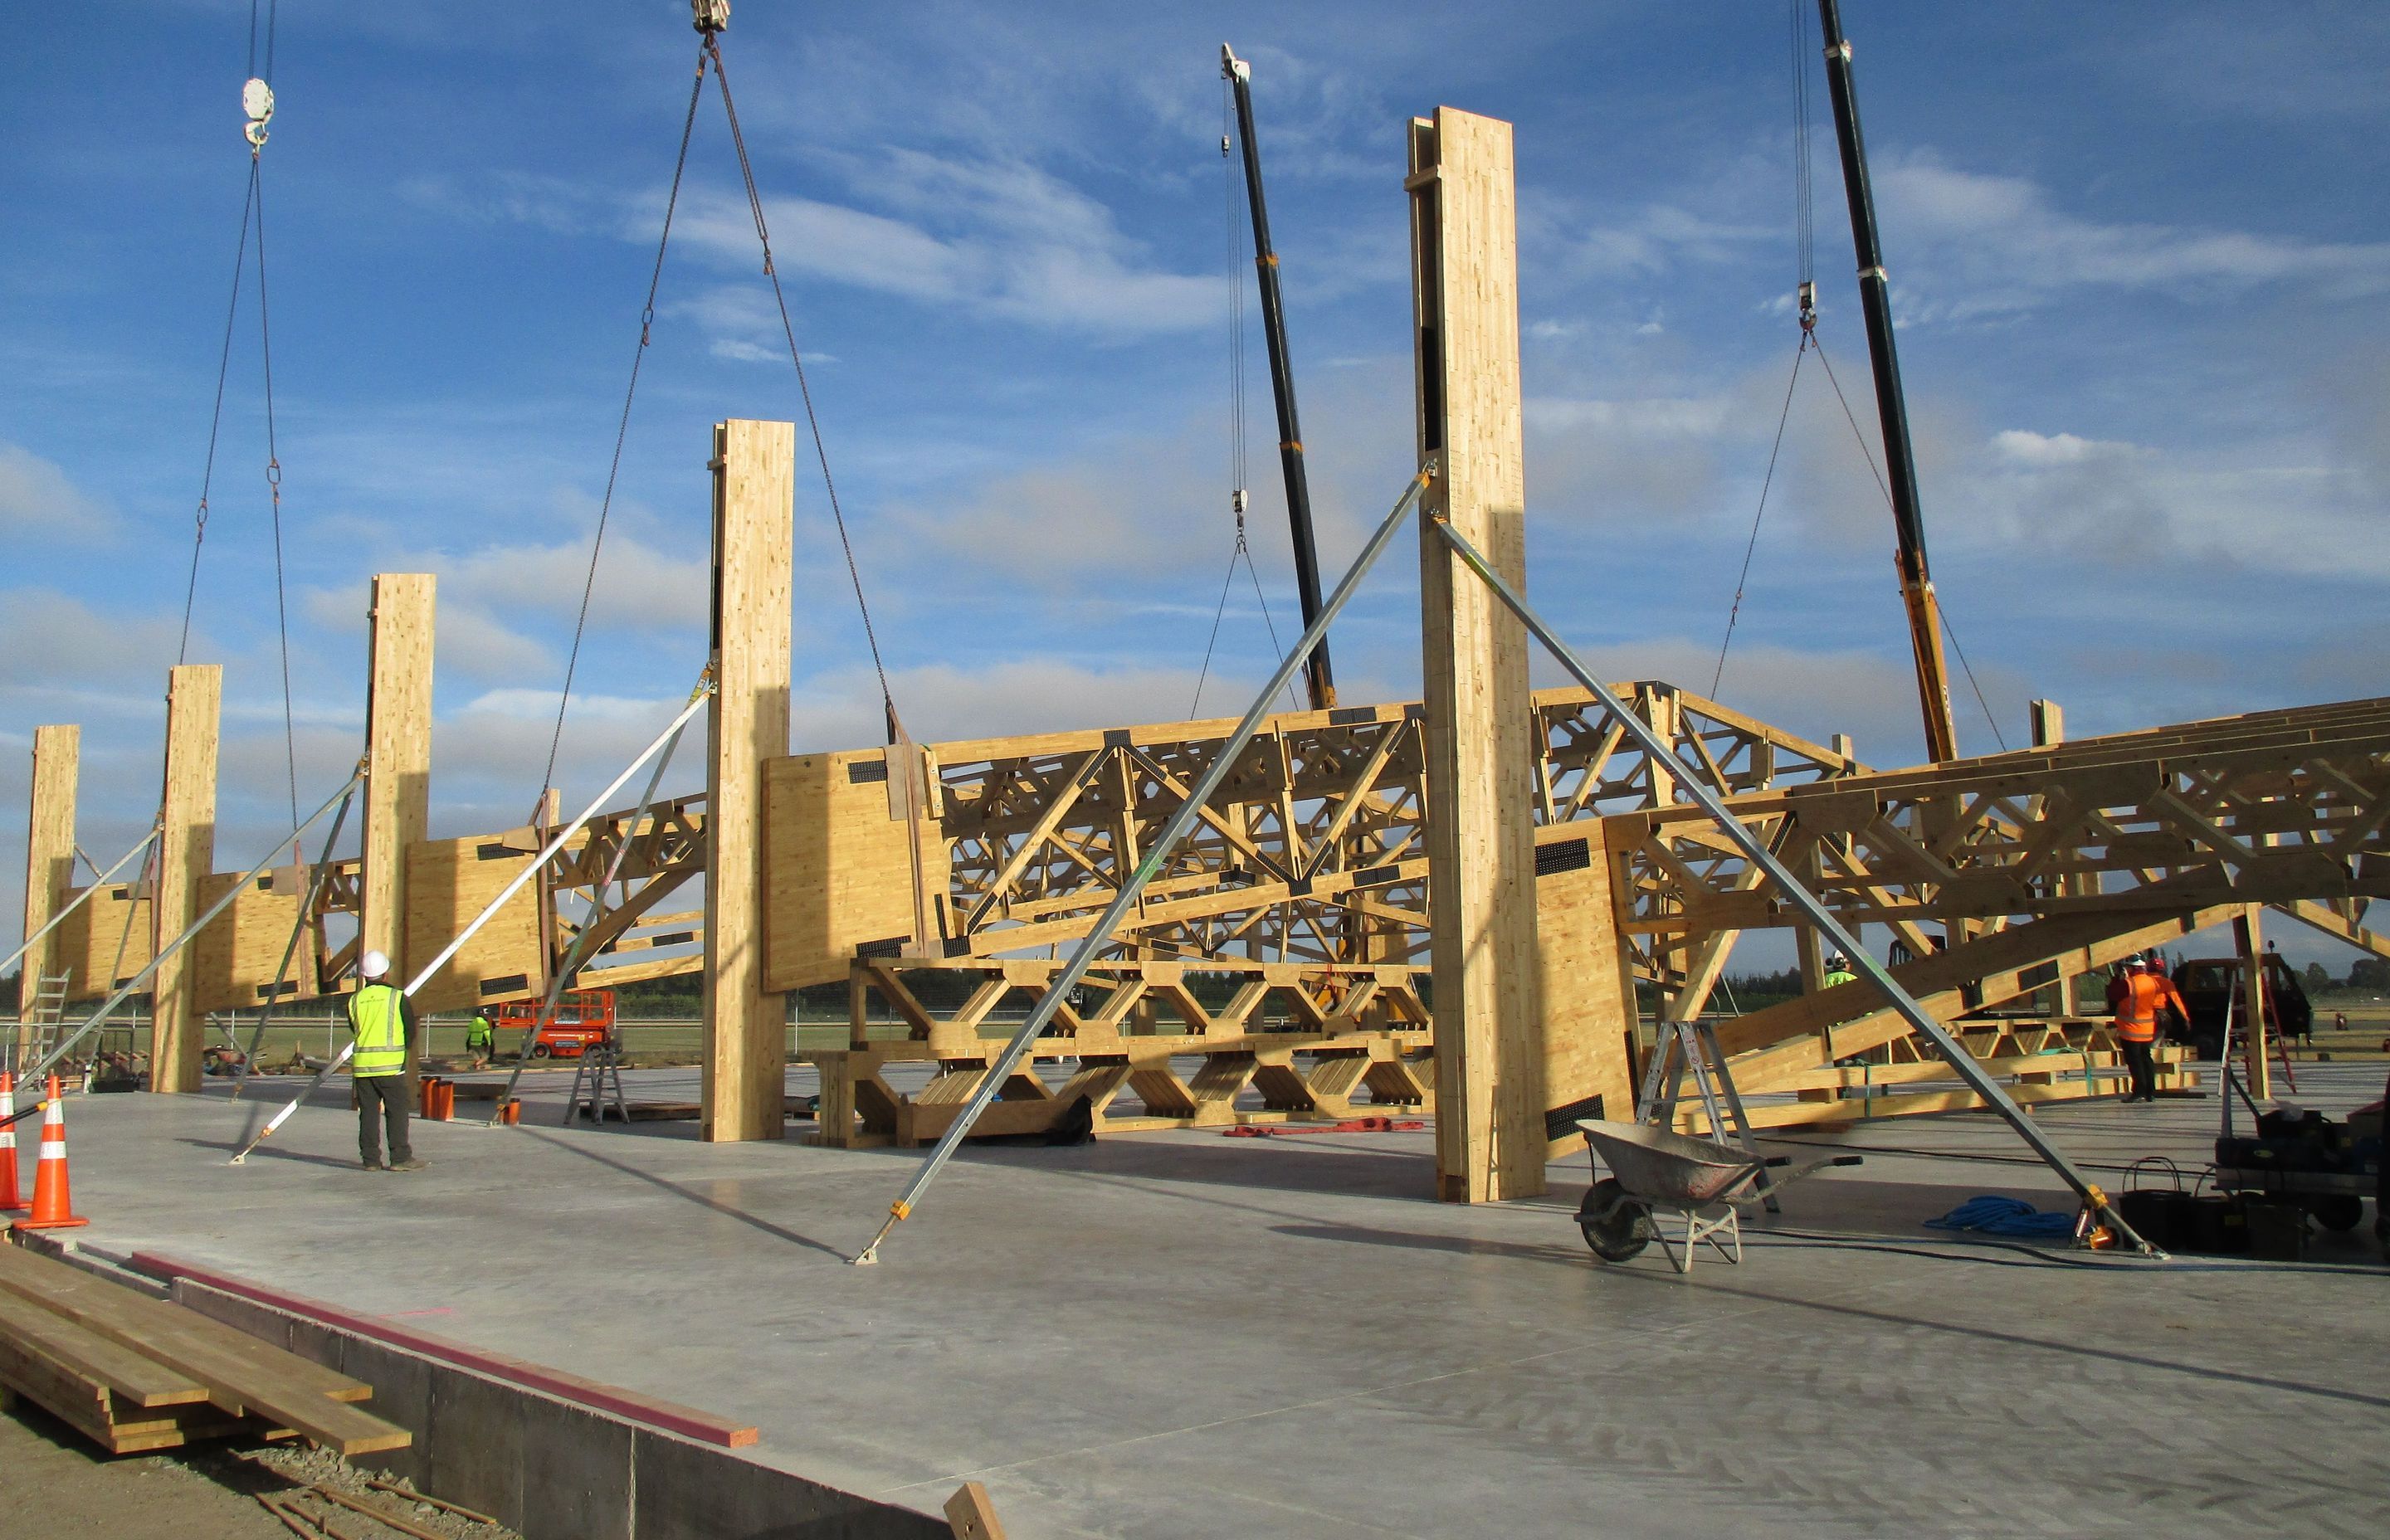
point(448, 882)
point(837, 877)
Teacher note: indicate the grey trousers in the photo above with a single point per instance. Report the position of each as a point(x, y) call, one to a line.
point(386, 1098)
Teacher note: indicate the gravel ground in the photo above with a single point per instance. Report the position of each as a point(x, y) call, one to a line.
point(53, 1486)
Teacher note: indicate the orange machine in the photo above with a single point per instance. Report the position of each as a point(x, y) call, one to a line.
point(583, 1018)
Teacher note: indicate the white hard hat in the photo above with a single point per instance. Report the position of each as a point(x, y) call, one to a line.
point(373, 965)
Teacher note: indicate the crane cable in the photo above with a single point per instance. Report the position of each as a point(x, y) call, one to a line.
point(623, 426)
point(709, 52)
point(1235, 238)
point(257, 102)
point(1805, 252)
point(789, 331)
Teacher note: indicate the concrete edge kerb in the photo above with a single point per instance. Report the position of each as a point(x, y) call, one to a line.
point(546, 1467)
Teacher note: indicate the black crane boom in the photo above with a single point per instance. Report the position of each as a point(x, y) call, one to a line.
point(1892, 407)
point(1318, 680)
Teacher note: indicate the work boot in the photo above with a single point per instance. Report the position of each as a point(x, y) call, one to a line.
point(370, 1165)
point(409, 1164)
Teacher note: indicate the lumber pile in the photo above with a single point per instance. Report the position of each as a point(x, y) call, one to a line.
point(134, 1373)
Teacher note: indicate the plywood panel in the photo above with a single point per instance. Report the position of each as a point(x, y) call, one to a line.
point(235, 959)
point(398, 762)
point(185, 860)
point(448, 882)
point(49, 856)
point(105, 942)
point(754, 489)
point(837, 876)
point(1481, 761)
point(1587, 988)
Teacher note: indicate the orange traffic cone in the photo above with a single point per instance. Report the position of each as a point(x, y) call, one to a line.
point(9, 1201)
point(53, 1209)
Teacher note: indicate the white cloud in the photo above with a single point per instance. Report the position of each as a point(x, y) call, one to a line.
point(37, 500)
point(1990, 245)
point(2022, 447)
point(1000, 236)
point(54, 645)
point(1661, 237)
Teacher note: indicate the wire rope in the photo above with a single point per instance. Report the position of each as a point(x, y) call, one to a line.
point(1869, 453)
point(274, 488)
point(215, 420)
point(1234, 238)
point(1734, 612)
point(622, 425)
point(805, 389)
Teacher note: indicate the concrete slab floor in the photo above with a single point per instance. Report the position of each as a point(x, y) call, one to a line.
point(1185, 1335)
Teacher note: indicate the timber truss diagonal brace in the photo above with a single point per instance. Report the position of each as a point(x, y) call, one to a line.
point(1757, 850)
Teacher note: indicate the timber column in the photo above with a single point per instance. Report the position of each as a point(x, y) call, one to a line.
point(398, 760)
point(186, 857)
point(745, 1033)
point(49, 861)
point(1490, 1101)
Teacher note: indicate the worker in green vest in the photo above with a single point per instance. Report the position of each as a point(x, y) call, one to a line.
point(480, 1039)
point(1838, 971)
point(384, 1023)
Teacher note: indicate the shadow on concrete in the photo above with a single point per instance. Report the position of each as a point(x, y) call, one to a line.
point(1282, 1165)
point(2138, 1278)
point(727, 1210)
point(1571, 1253)
point(269, 1151)
point(1711, 1282)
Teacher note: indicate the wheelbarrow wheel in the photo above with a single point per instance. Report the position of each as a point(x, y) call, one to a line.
point(1616, 1229)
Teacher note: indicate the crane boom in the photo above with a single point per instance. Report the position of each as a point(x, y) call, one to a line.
point(1900, 464)
point(1320, 681)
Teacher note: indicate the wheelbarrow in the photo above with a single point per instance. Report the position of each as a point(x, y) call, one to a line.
point(1703, 1183)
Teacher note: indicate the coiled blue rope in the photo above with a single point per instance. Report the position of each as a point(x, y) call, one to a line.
point(1990, 1215)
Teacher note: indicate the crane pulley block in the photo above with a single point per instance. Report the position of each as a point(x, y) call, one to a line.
point(710, 16)
point(257, 100)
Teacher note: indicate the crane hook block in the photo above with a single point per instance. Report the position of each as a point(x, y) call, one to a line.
point(257, 100)
point(710, 16)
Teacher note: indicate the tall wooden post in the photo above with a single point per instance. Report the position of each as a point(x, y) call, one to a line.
point(2248, 936)
point(398, 760)
point(2048, 720)
point(1490, 1098)
point(186, 855)
point(49, 861)
point(754, 508)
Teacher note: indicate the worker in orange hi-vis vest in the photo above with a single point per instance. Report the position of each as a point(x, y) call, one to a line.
point(2137, 1024)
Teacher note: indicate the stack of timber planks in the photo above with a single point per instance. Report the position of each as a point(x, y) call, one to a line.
point(134, 1373)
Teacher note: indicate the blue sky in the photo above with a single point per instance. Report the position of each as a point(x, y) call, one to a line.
point(2140, 256)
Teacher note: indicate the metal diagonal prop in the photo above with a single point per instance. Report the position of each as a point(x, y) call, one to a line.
point(1176, 828)
point(547, 852)
point(126, 990)
point(79, 899)
point(1756, 851)
point(575, 959)
point(290, 948)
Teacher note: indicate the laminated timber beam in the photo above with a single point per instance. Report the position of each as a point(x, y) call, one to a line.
point(1480, 765)
point(745, 1033)
point(398, 758)
point(49, 863)
point(186, 861)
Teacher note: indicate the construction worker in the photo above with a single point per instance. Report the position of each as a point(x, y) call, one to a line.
point(1838, 971)
point(384, 1024)
point(480, 1039)
point(2146, 989)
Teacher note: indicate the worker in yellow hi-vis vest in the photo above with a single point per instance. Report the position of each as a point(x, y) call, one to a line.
point(1838, 971)
point(384, 1023)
